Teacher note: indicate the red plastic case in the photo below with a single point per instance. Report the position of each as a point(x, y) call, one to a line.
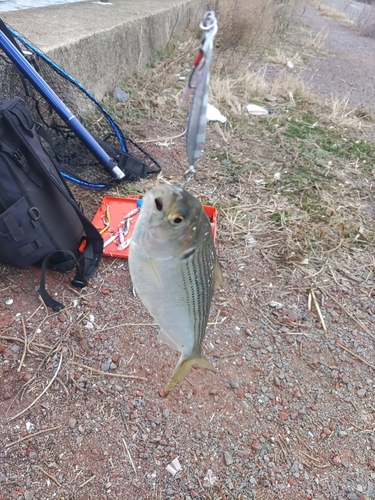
point(118, 208)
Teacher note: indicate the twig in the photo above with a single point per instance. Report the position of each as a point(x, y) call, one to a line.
point(265, 317)
point(58, 379)
point(309, 456)
point(359, 322)
point(364, 431)
point(355, 355)
point(15, 339)
point(162, 139)
point(319, 314)
point(25, 346)
point(128, 324)
point(49, 475)
point(130, 457)
point(83, 484)
point(30, 436)
point(320, 466)
point(36, 310)
point(108, 374)
point(123, 416)
point(40, 395)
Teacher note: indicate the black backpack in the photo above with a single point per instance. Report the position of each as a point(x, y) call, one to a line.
point(40, 221)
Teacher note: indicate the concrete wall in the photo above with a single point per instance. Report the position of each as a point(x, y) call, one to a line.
point(99, 44)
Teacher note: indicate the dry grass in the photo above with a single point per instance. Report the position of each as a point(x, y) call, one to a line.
point(278, 56)
point(231, 94)
point(331, 13)
point(366, 21)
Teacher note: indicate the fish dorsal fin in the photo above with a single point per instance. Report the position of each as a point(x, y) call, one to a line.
point(167, 339)
point(218, 275)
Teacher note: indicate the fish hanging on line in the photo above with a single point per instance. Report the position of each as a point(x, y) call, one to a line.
point(199, 82)
point(174, 269)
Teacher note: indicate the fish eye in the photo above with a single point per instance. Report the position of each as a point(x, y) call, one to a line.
point(159, 204)
point(176, 218)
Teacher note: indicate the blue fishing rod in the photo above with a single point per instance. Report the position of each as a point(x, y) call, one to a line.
point(61, 109)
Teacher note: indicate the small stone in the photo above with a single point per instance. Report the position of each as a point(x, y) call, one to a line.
point(121, 95)
point(256, 445)
point(116, 358)
point(166, 413)
point(283, 415)
point(105, 367)
point(370, 489)
point(228, 458)
point(271, 98)
point(361, 393)
point(297, 393)
point(28, 495)
point(2, 347)
point(352, 496)
point(33, 455)
point(72, 423)
point(112, 366)
point(255, 344)
point(337, 461)
point(240, 393)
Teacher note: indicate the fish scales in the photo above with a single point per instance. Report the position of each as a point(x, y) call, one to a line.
point(172, 266)
point(199, 289)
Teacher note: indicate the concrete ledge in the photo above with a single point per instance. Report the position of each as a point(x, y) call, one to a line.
point(99, 44)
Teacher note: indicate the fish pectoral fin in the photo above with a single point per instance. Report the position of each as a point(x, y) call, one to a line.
point(183, 368)
point(167, 339)
point(218, 275)
point(151, 271)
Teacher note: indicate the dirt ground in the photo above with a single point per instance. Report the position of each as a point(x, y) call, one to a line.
point(290, 413)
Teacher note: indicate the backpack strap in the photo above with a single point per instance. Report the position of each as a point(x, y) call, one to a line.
point(47, 299)
point(94, 241)
point(93, 251)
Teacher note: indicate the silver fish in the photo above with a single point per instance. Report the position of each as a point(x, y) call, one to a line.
point(174, 268)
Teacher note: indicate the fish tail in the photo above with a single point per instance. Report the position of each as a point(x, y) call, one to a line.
point(183, 368)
